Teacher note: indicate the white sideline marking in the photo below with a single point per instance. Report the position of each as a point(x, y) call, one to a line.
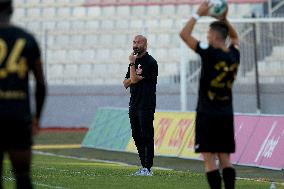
point(126, 164)
point(35, 183)
point(80, 158)
point(91, 159)
point(259, 180)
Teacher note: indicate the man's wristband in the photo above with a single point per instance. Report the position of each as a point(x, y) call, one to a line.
point(195, 16)
point(131, 64)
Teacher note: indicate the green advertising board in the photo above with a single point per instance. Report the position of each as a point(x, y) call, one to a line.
point(110, 130)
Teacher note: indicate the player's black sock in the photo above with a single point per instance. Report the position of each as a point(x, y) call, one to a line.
point(214, 179)
point(229, 177)
point(23, 182)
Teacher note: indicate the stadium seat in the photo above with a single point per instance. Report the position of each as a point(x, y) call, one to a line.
point(107, 24)
point(34, 12)
point(93, 11)
point(79, 12)
point(153, 10)
point(64, 12)
point(21, 12)
point(102, 54)
point(90, 40)
point(163, 39)
point(77, 24)
point(183, 10)
point(108, 11)
point(138, 10)
point(84, 39)
point(74, 55)
point(55, 69)
point(63, 25)
point(105, 39)
point(122, 24)
point(85, 69)
point(166, 23)
point(48, 12)
point(88, 55)
point(123, 11)
point(152, 23)
point(168, 10)
point(49, 25)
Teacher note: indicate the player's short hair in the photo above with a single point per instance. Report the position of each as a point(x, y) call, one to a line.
point(221, 28)
point(6, 7)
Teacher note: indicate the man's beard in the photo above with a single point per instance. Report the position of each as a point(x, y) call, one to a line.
point(138, 51)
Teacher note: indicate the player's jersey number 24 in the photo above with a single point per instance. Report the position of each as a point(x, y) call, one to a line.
point(13, 62)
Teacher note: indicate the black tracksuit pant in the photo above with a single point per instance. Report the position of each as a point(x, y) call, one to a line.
point(143, 134)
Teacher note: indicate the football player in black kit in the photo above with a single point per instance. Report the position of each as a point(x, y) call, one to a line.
point(214, 115)
point(19, 54)
point(142, 79)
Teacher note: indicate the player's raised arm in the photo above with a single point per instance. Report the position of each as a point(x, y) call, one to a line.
point(186, 32)
point(232, 32)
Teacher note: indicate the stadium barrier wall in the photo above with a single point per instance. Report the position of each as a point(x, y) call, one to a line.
point(259, 138)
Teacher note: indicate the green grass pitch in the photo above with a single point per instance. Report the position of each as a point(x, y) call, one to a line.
point(63, 173)
point(64, 169)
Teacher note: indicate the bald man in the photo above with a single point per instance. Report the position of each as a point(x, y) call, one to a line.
point(142, 79)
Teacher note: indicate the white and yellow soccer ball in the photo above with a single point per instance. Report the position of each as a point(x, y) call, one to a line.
point(218, 7)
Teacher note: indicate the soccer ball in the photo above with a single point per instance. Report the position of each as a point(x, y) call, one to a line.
point(218, 7)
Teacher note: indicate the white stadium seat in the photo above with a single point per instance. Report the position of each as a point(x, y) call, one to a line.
point(55, 69)
point(70, 70)
point(152, 23)
point(135, 23)
point(105, 39)
point(49, 12)
point(78, 24)
point(183, 10)
point(91, 40)
point(153, 10)
point(137, 11)
point(123, 11)
point(122, 24)
point(88, 55)
point(100, 37)
point(163, 39)
point(108, 11)
point(166, 23)
point(62, 40)
point(93, 11)
point(33, 12)
point(79, 12)
point(63, 25)
point(168, 10)
point(64, 12)
point(103, 54)
point(107, 24)
point(85, 69)
point(21, 12)
point(74, 56)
